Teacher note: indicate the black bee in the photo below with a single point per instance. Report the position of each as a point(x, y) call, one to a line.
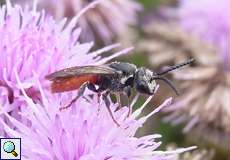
point(115, 77)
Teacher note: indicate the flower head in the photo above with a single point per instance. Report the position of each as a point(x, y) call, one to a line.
point(84, 132)
point(166, 47)
point(33, 45)
point(33, 42)
point(205, 99)
point(200, 30)
point(200, 18)
point(108, 19)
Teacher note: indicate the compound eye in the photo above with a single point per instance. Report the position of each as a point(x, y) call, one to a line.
point(145, 88)
point(142, 87)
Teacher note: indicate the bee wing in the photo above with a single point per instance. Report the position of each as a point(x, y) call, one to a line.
point(80, 71)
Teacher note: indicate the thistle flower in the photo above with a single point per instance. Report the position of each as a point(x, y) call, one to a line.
point(33, 42)
point(163, 46)
point(38, 45)
point(211, 82)
point(107, 20)
point(85, 132)
point(206, 135)
point(199, 18)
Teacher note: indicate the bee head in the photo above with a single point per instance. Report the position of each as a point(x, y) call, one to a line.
point(144, 83)
point(145, 79)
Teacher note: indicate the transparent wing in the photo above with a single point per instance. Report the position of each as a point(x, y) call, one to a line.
point(80, 71)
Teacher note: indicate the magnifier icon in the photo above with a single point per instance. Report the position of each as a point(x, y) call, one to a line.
point(9, 147)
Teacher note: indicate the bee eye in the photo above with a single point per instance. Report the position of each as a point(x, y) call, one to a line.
point(145, 87)
point(141, 87)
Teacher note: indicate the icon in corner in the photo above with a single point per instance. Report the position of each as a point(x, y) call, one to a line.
point(10, 148)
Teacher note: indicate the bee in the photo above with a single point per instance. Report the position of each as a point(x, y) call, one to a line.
point(115, 77)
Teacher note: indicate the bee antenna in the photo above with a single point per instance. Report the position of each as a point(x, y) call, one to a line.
point(171, 68)
point(168, 82)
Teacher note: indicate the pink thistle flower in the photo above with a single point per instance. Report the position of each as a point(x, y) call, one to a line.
point(32, 46)
point(205, 101)
point(210, 21)
point(83, 132)
point(107, 20)
point(33, 42)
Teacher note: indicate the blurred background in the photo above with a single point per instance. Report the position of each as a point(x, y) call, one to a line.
point(164, 33)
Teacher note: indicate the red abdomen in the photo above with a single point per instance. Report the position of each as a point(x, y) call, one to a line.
point(72, 83)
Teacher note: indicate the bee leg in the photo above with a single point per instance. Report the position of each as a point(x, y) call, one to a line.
point(118, 97)
point(98, 97)
point(99, 102)
point(127, 91)
point(107, 104)
point(79, 94)
point(92, 87)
